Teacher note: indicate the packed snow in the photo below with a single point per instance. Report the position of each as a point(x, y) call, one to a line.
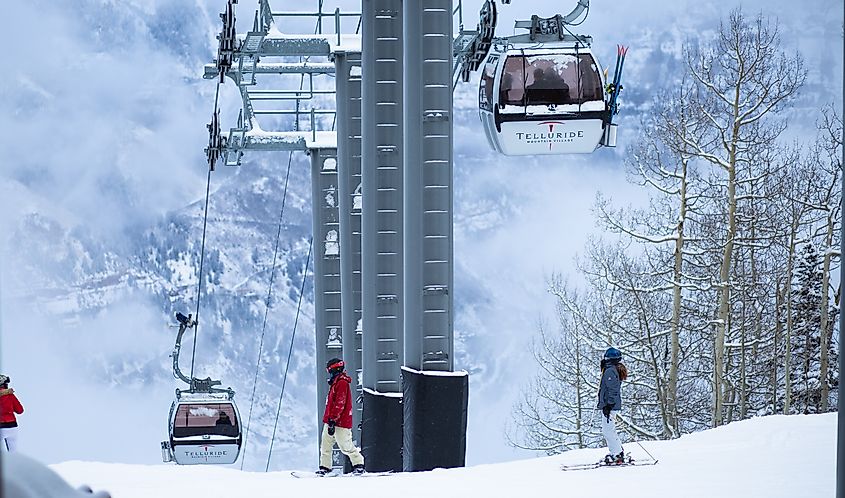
point(774, 456)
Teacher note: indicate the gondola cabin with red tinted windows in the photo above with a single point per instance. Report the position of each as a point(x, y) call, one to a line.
point(543, 92)
point(204, 429)
point(204, 424)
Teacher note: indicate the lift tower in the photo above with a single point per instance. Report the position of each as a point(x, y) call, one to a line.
point(247, 60)
point(382, 194)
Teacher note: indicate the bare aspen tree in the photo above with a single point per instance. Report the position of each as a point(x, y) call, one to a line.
point(743, 79)
point(750, 347)
point(827, 152)
point(792, 186)
point(640, 330)
point(557, 410)
point(675, 126)
point(665, 172)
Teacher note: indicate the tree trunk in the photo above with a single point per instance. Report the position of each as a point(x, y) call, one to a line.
point(743, 374)
point(805, 392)
point(725, 268)
point(787, 359)
point(778, 332)
point(724, 296)
point(824, 362)
point(579, 387)
point(674, 352)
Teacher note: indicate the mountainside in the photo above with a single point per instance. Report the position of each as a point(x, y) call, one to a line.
point(103, 191)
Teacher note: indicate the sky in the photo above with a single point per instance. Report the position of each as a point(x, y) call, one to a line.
point(772, 457)
point(105, 125)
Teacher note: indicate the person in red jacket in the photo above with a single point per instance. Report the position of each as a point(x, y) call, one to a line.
point(9, 406)
point(337, 420)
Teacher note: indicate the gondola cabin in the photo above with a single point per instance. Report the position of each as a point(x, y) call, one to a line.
point(204, 429)
point(544, 97)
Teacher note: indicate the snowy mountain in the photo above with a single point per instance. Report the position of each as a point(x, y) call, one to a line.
point(771, 457)
point(102, 193)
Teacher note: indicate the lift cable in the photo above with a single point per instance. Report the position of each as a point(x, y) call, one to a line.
point(267, 304)
point(204, 229)
point(270, 287)
point(290, 350)
point(272, 276)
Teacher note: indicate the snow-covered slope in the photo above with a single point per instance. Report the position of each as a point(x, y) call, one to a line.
point(775, 456)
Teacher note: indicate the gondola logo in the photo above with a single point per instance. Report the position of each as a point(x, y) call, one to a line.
point(552, 136)
point(208, 451)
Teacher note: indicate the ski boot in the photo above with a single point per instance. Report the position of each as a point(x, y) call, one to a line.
point(358, 469)
point(323, 471)
point(615, 459)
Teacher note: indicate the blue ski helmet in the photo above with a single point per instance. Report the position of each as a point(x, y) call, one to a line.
point(612, 354)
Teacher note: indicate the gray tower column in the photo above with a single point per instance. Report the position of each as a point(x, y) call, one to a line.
point(427, 191)
point(326, 255)
point(381, 233)
point(435, 404)
point(348, 82)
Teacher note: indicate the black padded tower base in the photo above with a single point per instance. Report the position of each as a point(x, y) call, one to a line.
point(435, 413)
point(381, 431)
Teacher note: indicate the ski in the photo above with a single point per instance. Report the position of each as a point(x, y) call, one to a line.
point(600, 464)
point(616, 86)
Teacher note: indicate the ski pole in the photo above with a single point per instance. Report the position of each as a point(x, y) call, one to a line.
point(592, 419)
point(649, 454)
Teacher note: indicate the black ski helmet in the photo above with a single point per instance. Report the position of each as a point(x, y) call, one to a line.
point(335, 364)
point(4, 380)
point(612, 354)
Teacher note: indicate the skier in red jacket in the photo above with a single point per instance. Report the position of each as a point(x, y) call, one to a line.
point(337, 420)
point(9, 406)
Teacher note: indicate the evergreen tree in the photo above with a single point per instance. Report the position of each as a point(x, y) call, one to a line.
point(806, 338)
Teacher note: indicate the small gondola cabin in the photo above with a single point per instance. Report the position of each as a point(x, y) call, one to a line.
point(204, 429)
point(544, 97)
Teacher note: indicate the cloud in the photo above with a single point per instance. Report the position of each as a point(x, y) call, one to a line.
point(107, 124)
point(72, 410)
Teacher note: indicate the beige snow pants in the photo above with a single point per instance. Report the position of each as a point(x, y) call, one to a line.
point(343, 437)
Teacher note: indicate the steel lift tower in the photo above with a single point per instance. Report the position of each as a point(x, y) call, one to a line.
point(382, 194)
point(436, 397)
point(242, 58)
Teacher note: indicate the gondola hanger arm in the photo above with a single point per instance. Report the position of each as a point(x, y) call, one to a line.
point(579, 9)
point(583, 5)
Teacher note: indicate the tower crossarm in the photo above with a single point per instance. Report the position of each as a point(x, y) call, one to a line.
point(259, 140)
point(264, 50)
point(210, 70)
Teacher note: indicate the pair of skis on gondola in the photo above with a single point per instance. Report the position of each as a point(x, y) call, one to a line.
point(616, 86)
